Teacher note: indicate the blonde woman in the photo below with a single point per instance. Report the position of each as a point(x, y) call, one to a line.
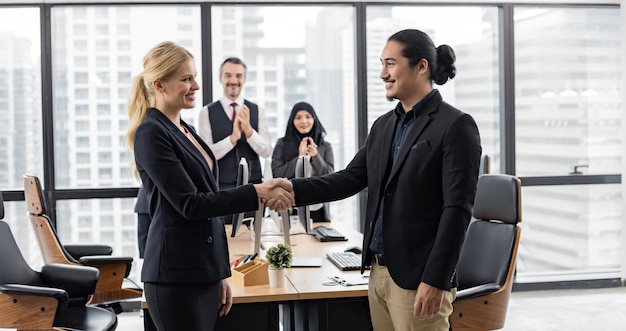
point(186, 258)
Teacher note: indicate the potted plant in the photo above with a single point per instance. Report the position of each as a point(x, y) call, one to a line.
point(278, 257)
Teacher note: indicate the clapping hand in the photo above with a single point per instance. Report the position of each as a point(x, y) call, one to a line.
point(277, 194)
point(241, 125)
point(307, 147)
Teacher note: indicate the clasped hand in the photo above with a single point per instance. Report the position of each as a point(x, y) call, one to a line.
point(276, 194)
point(241, 125)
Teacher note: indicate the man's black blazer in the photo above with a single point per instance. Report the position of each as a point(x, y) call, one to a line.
point(428, 193)
point(186, 241)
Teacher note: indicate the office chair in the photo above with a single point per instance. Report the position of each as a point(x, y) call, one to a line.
point(113, 285)
point(487, 262)
point(485, 164)
point(53, 299)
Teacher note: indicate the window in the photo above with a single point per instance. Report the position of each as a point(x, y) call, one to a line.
point(20, 95)
point(104, 157)
point(102, 61)
point(570, 229)
point(104, 109)
point(81, 78)
point(104, 125)
point(105, 173)
point(83, 158)
point(123, 45)
point(103, 77)
point(569, 112)
point(102, 12)
point(104, 141)
point(107, 236)
point(113, 68)
point(106, 220)
point(83, 174)
point(263, 43)
point(80, 45)
point(123, 61)
point(80, 61)
point(475, 89)
point(270, 91)
point(102, 45)
point(80, 29)
point(568, 103)
point(85, 237)
point(123, 124)
point(79, 12)
point(81, 110)
point(185, 27)
point(123, 91)
point(103, 93)
point(81, 93)
point(24, 234)
point(82, 141)
point(124, 77)
point(102, 30)
point(82, 126)
point(123, 29)
point(84, 221)
point(129, 220)
point(270, 76)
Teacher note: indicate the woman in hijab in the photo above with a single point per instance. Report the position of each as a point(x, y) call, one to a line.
point(304, 136)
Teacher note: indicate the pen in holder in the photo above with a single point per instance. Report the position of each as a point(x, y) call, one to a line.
point(251, 273)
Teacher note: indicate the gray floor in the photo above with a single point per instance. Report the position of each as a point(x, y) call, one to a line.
point(570, 310)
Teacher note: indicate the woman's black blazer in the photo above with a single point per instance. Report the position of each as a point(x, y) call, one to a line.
point(186, 241)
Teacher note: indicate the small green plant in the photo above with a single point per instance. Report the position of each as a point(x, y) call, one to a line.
point(279, 256)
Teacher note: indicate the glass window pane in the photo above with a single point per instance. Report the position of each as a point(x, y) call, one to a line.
point(570, 229)
point(15, 216)
point(97, 81)
point(102, 221)
point(474, 90)
point(568, 90)
point(312, 60)
point(21, 143)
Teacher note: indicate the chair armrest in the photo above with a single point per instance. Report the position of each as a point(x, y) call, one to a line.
point(476, 291)
point(18, 289)
point(77, 281)
point(100, 259)
point(79, 250)
point(105, 259)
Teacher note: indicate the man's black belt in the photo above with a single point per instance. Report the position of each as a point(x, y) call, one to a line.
point(380, 259)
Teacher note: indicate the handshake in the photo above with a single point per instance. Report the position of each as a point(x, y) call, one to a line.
point(276, 194)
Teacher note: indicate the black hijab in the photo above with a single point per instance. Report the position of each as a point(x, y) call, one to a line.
point(292, 138)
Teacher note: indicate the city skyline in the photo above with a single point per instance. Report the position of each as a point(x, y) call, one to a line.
point(557, 126)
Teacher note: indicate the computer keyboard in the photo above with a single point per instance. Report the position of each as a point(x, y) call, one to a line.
point(325, 233)
point(345, 260)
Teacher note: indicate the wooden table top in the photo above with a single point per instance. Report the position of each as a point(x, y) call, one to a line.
point(303, 282)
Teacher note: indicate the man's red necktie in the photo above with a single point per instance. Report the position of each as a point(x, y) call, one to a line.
point(234, 105)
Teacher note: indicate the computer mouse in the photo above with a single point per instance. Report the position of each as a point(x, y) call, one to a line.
point(353, 249)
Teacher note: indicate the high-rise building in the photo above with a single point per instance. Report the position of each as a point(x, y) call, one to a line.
point(20, 137)
point(565, 117)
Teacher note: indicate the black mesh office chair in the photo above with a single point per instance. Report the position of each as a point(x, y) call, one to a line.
point(487, 261)
point(113, 284)
point(53, 299)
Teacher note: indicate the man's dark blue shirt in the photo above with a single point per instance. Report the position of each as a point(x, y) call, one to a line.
point(404, 124)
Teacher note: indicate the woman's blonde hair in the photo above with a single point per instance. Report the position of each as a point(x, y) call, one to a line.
point(159, 64)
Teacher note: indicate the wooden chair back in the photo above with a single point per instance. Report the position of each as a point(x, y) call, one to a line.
point(112, 274)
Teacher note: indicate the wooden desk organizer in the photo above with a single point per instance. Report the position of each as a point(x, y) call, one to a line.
point(252, 273)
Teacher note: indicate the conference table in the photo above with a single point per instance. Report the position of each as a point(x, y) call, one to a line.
point(309, 300)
